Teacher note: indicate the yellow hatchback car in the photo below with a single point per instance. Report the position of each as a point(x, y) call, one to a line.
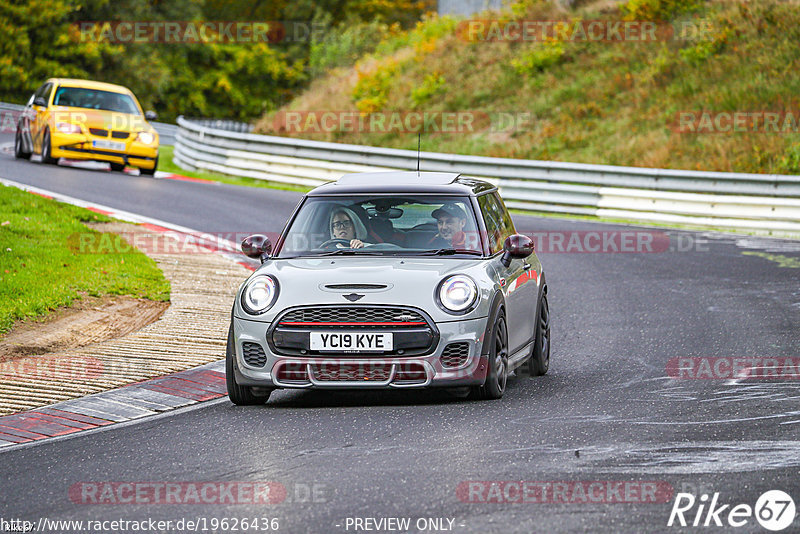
point(87, 120)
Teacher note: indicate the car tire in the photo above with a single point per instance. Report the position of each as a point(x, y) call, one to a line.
point(149, 172)
point(539, 362)
point(497, 374)
point(239, 395)
point(19, 153)
point(117, 167)
point(47, 149)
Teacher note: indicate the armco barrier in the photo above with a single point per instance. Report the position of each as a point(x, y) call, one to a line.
point(761, 202)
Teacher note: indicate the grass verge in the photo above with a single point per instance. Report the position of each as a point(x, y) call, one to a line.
point(42, 269)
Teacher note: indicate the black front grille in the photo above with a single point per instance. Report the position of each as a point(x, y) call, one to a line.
point(413, 332)
point(120, 135)
point(99, 132)
point(355, 315)
point(254, 354)
point(455, 354)
point(328, 372)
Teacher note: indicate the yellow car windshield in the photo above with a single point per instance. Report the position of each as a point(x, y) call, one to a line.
point(80, 97)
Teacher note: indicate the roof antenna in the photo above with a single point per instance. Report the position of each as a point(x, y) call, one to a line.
point(419, 140)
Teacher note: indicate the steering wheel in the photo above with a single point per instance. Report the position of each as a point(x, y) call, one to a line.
point(331, 243)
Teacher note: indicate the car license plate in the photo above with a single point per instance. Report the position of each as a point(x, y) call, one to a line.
point(351, 341)
point(112, 145)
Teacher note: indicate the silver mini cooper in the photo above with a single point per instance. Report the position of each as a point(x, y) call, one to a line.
point(390, 280)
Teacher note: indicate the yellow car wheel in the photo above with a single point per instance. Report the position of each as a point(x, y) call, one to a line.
point(149, 172)
point(19, 152)
point(47, 149)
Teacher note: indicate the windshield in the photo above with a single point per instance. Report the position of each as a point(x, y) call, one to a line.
point(383, 225)
point(79, 97)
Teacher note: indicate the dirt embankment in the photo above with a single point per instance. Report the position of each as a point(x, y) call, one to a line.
point(88, 320)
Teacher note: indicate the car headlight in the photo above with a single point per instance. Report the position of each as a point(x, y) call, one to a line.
point(146, 137)
point(457, 294)
point(259, 294)
point(68, 127)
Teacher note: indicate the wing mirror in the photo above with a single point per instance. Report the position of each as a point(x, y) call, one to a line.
point(40, 101)
point(150, 115)
point(257, 246)
point(516, 246)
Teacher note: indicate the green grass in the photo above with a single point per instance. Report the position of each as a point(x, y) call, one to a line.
point(782, 261)
point(166, 164)
point(42, 268)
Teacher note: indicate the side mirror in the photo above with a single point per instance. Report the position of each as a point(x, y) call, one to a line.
point(516, 246)
point(40, 101)
point(150, 115)
point(257, 246)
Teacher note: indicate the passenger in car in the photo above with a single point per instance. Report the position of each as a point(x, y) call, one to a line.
point(450, 220)
point(373, 225)
point(345, 224)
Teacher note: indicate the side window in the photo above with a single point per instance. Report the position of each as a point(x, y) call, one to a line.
point(43, 91)
point(493, 223)
point(40, 91)
point(498, 221)
point(47, 92)
point(508, 224)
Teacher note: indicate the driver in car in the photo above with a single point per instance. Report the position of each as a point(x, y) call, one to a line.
point(346, 225)
point(450, 220)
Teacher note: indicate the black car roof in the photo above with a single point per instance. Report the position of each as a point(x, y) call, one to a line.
point(438, 183)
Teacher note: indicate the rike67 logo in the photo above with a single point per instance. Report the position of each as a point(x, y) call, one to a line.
point(774, 510)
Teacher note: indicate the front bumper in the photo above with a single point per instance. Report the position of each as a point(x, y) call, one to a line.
point(364, 371)
point(79, 146)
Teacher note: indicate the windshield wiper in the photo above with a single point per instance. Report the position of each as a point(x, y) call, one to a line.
point(449, 251)
point(349, 252)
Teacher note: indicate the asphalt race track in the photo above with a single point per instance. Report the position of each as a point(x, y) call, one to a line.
point(607, 412)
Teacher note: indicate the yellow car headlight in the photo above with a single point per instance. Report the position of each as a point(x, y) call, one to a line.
point(146, 137)
point(68, 128)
